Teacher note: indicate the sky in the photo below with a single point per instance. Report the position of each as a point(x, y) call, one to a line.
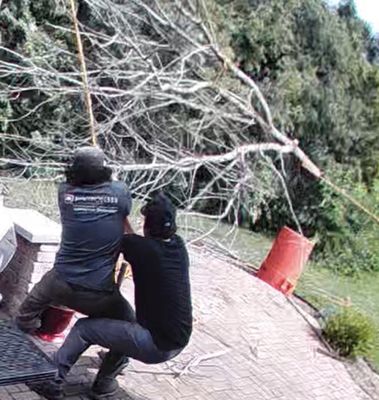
point(367, 10)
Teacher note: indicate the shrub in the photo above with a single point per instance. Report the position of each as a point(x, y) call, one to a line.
point(355, 260)
point(349, 332)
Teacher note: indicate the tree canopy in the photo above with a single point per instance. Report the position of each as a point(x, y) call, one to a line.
point(159, 94)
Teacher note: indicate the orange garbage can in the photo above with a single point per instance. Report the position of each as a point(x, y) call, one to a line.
point(54, 321)
point(286, 260)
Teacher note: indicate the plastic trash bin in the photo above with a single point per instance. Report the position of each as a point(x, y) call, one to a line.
point(286, 260)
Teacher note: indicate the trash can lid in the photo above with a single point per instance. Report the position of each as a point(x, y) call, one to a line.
point(6, 222)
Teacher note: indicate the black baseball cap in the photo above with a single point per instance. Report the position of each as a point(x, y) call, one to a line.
point(160, 216)
point(89, 157)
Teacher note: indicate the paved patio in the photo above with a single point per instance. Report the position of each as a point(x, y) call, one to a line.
point(248, 343)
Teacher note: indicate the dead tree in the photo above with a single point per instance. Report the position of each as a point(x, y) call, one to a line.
point(171, 107)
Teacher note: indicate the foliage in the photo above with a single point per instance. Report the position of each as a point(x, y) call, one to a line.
point(40, 117)
point(349, 332)
point(353, 260)
point(355, 248)
point(318, 68)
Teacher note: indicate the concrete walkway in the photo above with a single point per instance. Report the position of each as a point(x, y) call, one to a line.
point(248, 343)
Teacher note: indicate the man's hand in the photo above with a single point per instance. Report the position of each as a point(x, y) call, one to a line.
point(123, 271)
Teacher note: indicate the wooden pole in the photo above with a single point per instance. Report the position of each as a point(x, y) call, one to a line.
point(84, 74)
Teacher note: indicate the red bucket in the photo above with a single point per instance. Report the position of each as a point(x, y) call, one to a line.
point(286, 260)
point(54, 321)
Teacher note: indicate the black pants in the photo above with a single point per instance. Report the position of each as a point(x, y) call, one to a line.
point(122, 338)
point(52, 290)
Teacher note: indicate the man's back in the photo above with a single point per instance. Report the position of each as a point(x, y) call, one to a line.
point(92, 228)
point(162, 288)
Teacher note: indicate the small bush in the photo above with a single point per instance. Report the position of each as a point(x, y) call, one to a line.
point(349, 332)
point(353, 261)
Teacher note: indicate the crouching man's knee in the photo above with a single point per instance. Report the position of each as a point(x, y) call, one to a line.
point(160, 357)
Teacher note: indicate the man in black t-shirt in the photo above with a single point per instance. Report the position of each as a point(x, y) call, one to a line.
point(94, 214)
point(160, 266)
point(160, 271)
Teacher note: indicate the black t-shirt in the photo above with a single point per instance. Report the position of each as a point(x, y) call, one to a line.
point(162, 288)
point(93, 219)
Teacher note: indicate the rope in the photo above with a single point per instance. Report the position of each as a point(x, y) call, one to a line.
point(351, 199)
point(315, 171)
point(84, 74)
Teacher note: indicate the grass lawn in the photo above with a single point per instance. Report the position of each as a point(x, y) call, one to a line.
point(319, 284)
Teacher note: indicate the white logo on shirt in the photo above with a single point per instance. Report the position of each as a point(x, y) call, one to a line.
point(69, 198)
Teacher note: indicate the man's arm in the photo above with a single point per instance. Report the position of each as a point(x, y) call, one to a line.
point(125, 204)
point(127, 227)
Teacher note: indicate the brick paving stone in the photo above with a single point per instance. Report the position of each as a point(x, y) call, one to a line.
point(25, 396)
point(258, 347)
point(6, 396)
point(13, 388)
point(4, 393)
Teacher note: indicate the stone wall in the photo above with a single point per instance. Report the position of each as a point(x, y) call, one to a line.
point(37, 244)
point(27, 267)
